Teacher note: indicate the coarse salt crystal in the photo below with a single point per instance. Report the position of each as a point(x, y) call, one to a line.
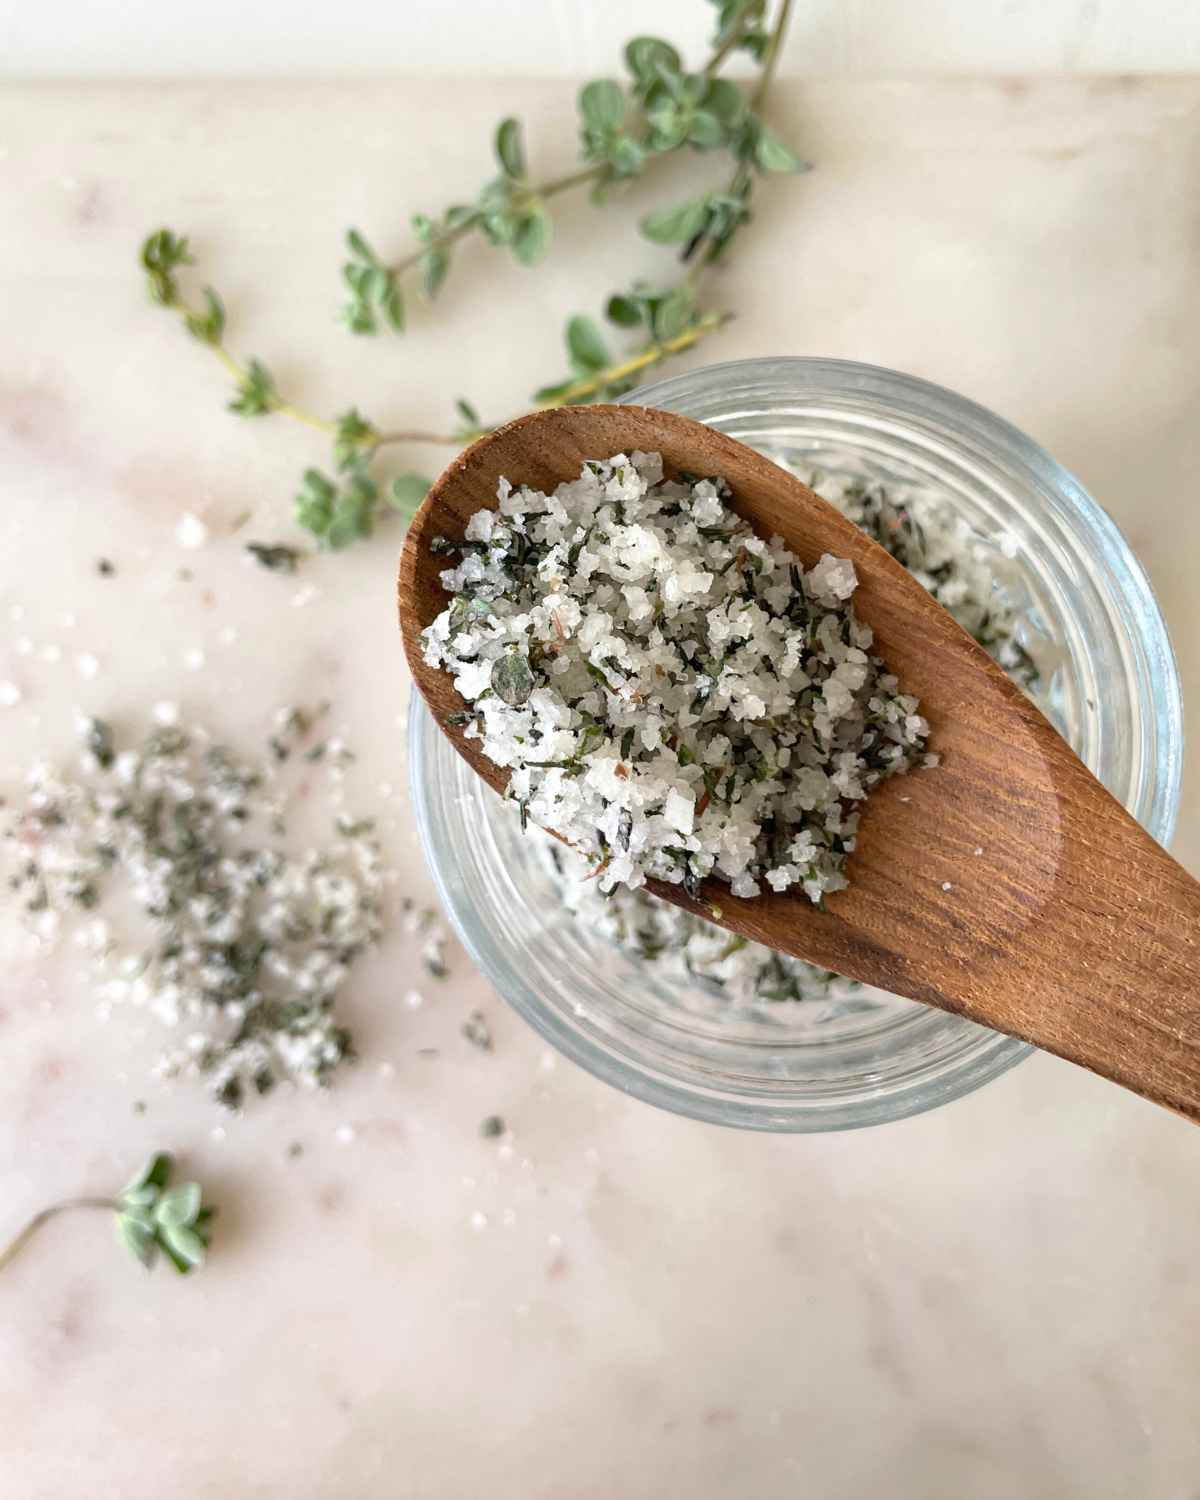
point(190, 531)
point(10, 694)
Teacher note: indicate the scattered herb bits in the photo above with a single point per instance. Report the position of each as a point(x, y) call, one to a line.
point(477, 1031)
point(275, 557)
point(242, 943)
point(684, 947)
point(673, 695)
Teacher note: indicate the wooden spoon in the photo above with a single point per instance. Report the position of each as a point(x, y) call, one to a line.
point(1005, 885)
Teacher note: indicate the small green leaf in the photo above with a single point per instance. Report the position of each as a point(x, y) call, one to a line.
point(358, 318)
point(510, 152)
point(183, 1247)
point(674, 314)
point(511, 679)
point(626, 156)
point(649, 57)
point(392, 303)
point(256, 394)
point(319, 484)
point(467, 412)
point(138, 1239)
point(623, 311)
point(433, 266)
point(162, 252)
point(314, 503)
point(586, 344)
point(407, 492)
point(139, 1197)
point(724, 99)
point(353, 512)
point(208, 326)
point(360, 247)
point(156, 1173)
point(669, 125)
point(354, 433)
point(423, 227)
point(773, 156)
point(532, 238)
point(375, 283)
point(602, 104)
point(676, 225)
point(500, 226)
point(178, 1206)
point(706, 131)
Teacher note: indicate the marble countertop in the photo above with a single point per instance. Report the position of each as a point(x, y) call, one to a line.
point(995, 1299)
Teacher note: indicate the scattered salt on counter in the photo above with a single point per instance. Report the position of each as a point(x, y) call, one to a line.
point(190, 531)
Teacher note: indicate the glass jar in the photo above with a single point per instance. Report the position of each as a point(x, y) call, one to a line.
point(1113, 691)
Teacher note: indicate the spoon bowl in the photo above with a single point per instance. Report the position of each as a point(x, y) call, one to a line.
point(1005, 885)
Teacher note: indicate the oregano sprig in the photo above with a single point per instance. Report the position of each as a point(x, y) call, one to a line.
point(152, 1218)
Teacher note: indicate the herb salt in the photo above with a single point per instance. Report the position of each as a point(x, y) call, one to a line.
point(675, 696)
point(248, 942)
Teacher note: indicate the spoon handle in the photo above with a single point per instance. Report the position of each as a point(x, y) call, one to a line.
point(1112, 966)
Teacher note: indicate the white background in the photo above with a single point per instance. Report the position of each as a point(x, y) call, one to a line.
point(149, 38)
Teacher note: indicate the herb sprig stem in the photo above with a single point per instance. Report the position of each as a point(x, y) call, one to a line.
point(771, 60)
point(152, 1218)
point(594, 173)
point(580, 390)
point(68, 1205)
point(536, 194)
point(733, 40)
point(660, 110)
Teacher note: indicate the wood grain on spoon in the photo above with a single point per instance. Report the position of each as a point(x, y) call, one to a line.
point(1005, 885)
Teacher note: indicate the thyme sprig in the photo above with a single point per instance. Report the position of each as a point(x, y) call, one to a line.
point(660, 110)
point(152, 1218)
point(346, 503)
point(624, 129)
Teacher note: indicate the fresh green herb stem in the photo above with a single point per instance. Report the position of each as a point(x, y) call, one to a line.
point(536, 194)
point(276, 405)
point(68, 1205)
point(581, 390)
point(152, 1218)
point(731, 42)
point(771, 61)
point(657, 112)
